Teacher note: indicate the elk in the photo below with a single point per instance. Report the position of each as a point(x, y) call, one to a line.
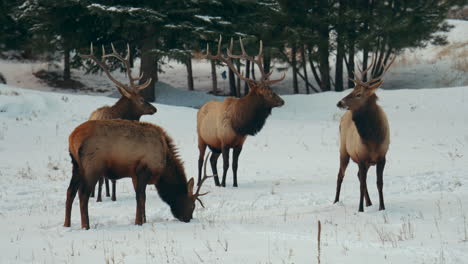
point(225, 125)
point(130, 106)
point(364, 133)
point(124, 148)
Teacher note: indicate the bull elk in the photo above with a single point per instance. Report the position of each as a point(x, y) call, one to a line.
point(364, 134)
point(125, 148)
point(225, 125)
point(130, 106)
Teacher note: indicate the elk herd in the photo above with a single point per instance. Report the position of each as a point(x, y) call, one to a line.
point(114, 144)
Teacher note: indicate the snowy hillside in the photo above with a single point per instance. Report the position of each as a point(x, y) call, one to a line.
point(287, 177)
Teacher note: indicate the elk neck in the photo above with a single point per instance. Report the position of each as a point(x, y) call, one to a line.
point(248, 114)
point(172, 183)
point(369, 123)
point(124, 109)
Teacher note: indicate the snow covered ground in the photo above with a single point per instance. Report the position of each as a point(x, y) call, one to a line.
point(287, 177)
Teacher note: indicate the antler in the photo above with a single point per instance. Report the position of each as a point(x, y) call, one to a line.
point(363, 74)
point(134, 87)
point(197, 193)
point(258, 60)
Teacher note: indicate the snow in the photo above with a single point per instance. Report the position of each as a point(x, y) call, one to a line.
point(287, 174)
point(287, 177)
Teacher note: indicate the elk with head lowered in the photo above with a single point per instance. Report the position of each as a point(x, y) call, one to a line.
point(130, 106)
point(225, 125)
point(364, 134)
point(125, 148)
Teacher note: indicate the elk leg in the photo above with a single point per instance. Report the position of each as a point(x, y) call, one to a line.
point(201, 158)
point(71, 193)
point(83, 193)
point(344, 161)
point(225, 152)
point(380, 169)
point(362, 179)
point(139, 183)
point(114, 197)
point(235, 159)
point(99, 197)
point(107, 187)
point(214, 168)
point(366, 195)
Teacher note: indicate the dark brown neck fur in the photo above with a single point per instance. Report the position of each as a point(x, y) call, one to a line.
point(124, 109)
point(172, 184)
point(369, 123)
point(248, 115)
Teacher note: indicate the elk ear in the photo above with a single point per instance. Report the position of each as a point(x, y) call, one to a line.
point(124, 92)
point(374, 86)
point(190, 184)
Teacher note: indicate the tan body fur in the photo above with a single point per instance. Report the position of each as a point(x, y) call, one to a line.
point(213, 125)
point(148, 150)
point(352, 145)
point(124, 148)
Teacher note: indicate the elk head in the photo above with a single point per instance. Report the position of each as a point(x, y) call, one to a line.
point(363, 91)
point(259, 87)
point(130, 91)
point(185, 205)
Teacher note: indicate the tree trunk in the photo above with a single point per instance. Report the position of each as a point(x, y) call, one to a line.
point(66, 64)
point(340, 53)
point(232, 83)
point(253, 71)
point(323, 47)
point(214, 78)
point(189, 74)
point(286, 57)
point(304, 68)
point(365, 56)
point(149, 64)
point(247, 75)
point(238, 80)
point(294, 66)
point(313, 69)
point(267, 62)
point(351, 64)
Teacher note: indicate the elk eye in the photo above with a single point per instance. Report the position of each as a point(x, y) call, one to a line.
point(358, 95)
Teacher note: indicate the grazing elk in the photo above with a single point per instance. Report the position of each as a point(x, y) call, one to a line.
point(225, 125)
point(364, 134)
point(130, 106)
point(125, 148)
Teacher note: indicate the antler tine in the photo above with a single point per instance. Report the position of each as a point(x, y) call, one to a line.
point(364, 73)
point(126, 62)
point(197, 194)
point(257, 60)
point(224, 59)
point(386, 67)
point(144, 85)
point(103, 66)
point(271, 82)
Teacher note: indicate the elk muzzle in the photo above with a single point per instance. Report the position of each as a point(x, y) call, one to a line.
point(341, 104)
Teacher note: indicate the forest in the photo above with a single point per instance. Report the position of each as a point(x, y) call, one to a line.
point(320, 40)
